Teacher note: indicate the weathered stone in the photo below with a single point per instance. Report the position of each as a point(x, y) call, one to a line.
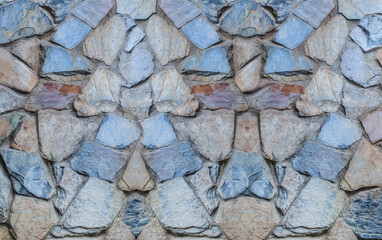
point(212, 132)
point(28, 173)
point(174, 161)
point(8, 124)
point(153, 231)
point(213, 8)
point(293, 32)
point(137, 100)
point(157, 131)
point(167, 43)
point(97, 161)
point(201, 33)
point(247, 218)
point(247, 18)
point(244, 50)
point(372, 125)
point(363, 214)
point(5, 234)
point(71, 33)
point(137, 9)
point(313, 12)
point(368, 35)
point(22, 18)
point(100, 94)
point(105, 42)
point(282, 8)
point(32, 219)
point(59, 8)
point(314, 210)
point(60, 133)
point(133, 37)
point(136, 215)
point(322, 94)
point(179, 11)
point(5, 197)
point(118, 231)
point(28, 50)
point(179, 210)
point(281, 134)
point(340, 230)
point(92, 211)
point(356, 9)
point(10, 100)
point(220, 95)
point(26, 139)
point(249, 78)
point(247, 136)
point(339, 132)
point(93, 11)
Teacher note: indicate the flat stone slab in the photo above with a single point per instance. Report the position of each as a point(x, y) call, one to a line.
point(137, 9)
point(372, 125)
point(137, 100)
point(133, 37)
point(281, 8)
point(292, 33)
point(213, 8)
point(92, 11)
point(11, 100)
point(201, 33)
point(356, 9)
point(26, 139)
point(179, 11)
point(314, 12)
point(71, 33)
point(8, 125)
point(157, 132)
point(368, 35)
point(59, 8)
point(28, 50)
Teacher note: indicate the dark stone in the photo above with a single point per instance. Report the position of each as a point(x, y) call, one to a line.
point(8, 124)
point(136, 215)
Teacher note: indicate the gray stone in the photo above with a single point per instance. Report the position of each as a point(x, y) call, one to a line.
point(71, 33)
point(368, 35)
point(22, 18)
point(136, 215)
point(157, 131)
point(249, 78)
point(137, 9)
point(137, 100)
point(357, 9)
point(314, 12)
point(97, 161)
point(5, 196)
point(245, 50)
point(92, 11)
point(118, 230)
point(179, 11)
point(10, 100)
point(339, 132)
point(28, 50)
point(29, 174)
point(8, 125)
point(247, 137)
point(371, 124)
point(282, 8)
point(340, 230)
point(177, 160)
point(213, 8)
point(59, 8)
point(153, 231)
point(133, 37)
point(292, 33)
point(201, 33)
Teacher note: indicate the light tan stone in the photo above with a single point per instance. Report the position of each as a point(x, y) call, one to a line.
point(340, 230)
point(26, 139)
point(244, 50)
point(29, 51)
point(153, 231)
point(379, 56)
point(249, 79)
point(4, 233)
point(247, 136)
point(119, 231)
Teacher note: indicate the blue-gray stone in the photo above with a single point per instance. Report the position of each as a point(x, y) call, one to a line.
point(117, 132)
point(319, 161)
point(157, 131)
point(314, 11)
point(71, 33)
point(282, 8)
point(28, 173)
point(98, 161)
point(59, 8)
point(369, 34)
point(5, 195)
point(9, 124)
point(247, 18)
point(174, 161)
point(179, 11)
point(364, 214)
point(201, 33)
point(213, 8)
point(93, 11)
point(133, 37)
point(136, 215)
point(22, 18)
point(284, 62)
point(293, 32)
point(63, 62)
point(339, 132)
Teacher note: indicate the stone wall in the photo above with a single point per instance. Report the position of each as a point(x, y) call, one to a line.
point(190, 119)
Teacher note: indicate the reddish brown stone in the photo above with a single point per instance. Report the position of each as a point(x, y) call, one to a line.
point(373, 127)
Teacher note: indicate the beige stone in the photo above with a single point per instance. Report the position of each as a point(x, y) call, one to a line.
point(153, 231)
point(340, 230)
point(249, 78)
point(26, 139)
point(244, 50)
point(119, 231)
point(379, 56)
point(4, 233)
point(29, 51)
point(247, 136)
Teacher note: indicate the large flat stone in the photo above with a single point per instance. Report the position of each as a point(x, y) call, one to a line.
point(11, 100)
point(137, 100)
point(92, 11)
point(8, 125)
point(157, 132)
point(247, 137)
point(71, 33)
point(179, 11)
point(137, 9)
point(313, 11)
point(6, 196)
point(292, 33)
point(372, 125)
point(201, 33)
point(26, 139)
point(356, 9)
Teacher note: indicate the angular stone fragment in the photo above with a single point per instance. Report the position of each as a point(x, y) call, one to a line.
point(249, 78)
point(60, 133)
point(10, 100)
point(340, 230)
point(5, 234)
point(201, 33)
point(339, 132)
point(313, 11)
point(28, 173)
point(244, 50)
point(157, 131)
point(136, 215)
point(293, 32)
point(368, 35)
point(153, 231)
point(282, 8)
point(212, 133)
point(15, 74)
point(97, 161)
point(71, 33)
point(59, 8)
point(8, 124)
point(32, 219)
point(167, 43)
point(5, 196)
point(247, 136)
point(137, 100)
point(172, 94)
point(220, 95)
point(92, 11)
point(28, 50)
point(133, 37)
point(100, 94)
point(26, 139)
point(118, 230)
point(372, 125)
point(281, 134)
point(247, 18)
point(179, 11)
point(356, 9)
point(22, 18)
point(137, 9)
point(105, 42)
point(247, 218)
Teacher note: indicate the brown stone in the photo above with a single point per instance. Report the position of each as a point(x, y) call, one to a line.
point(247, 134)
point(340, 230)
point(26, 139)
point(379, 56)
point(119, 231)
point(249, 78)
point(372, 125)
point(29, 51)
point(244, 50)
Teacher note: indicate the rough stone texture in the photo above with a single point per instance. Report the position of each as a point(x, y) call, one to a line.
point(340, 230)
point(5, 234)
point(119, 231)
point(92, 11)
point(247, 136)
point(179, 11)
point(326, 43)
point(26, 139)
point(212, 133)
point(201, 33)
point(137, 9)
point(59, 8)
point(249, 78)
point(71, 33)
point(372, 125)
point(356, 9)
point(153, 231)
point(313, 12)
point(281, 8)
point(6, 196)
point(293, 32)
point(10, 100)
point(8, 125)
point(368, 35)
point(213, 8)
point(157, 131)
point(133, 37)
point(28, 50)
point(137, 100)
point(244, 50)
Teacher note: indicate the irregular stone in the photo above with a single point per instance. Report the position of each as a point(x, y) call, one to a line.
point(5, 234)
point(247, 136)
point(133, 37)
point(5, 197)
point(104, 43)
point(15, 74)
point(213, 8)
point(172, 94)
point(26, 139)
point(368, 35)
point(220, 95)
point(68, 133)
point(281, 8)
point(179, 11)
point(201, 33)
point(137, 9)
point(246, 171)
point(59, 8)
point(379, 56)
point(314, 12)
point(10, 100)
point(28, 173)
point(372, 126)
point(179, 210)
point(364, 168)
point(356, 9)
point(137, 100)
point(319, 161)
point(174, 161)
point(93, 11)
point(31, 219)
point(22, 18)
point(314, 210)
point(212, 133)
point(363, 214)
point(322, 94)
point(119, 231)
point(293, 32)
point(157, 131)
point(339, 132)
point(153, 231)
point(8, 124)
point(249, 78)
point(247, 18)
point(277, 96)
point(100, 94)
point(97, 161)
point(244, 50)
point(281, 134)
point(340, 230)
point(136, 215)
point(247, 218)
point(92, 211)
point(71, 33)
point(28, 50)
